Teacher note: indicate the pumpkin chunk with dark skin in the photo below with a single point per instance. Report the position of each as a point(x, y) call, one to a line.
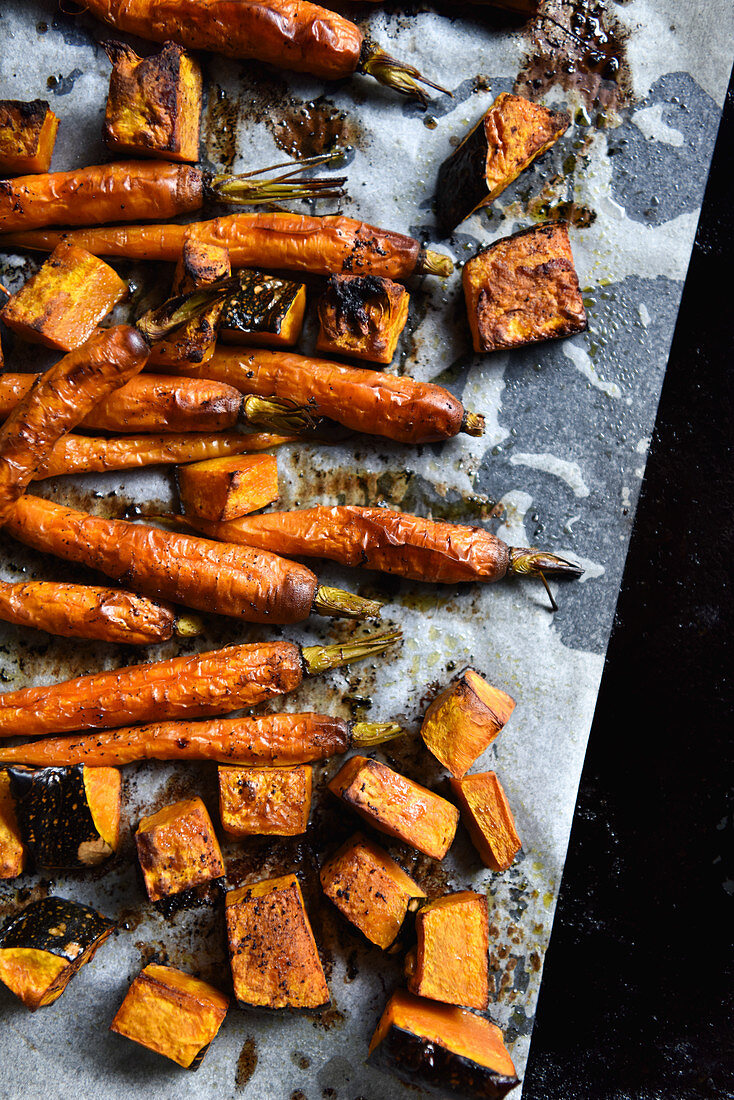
point(273, 954)
point(362, 316)
point(199, 265)
point(27, 136)
point(43, 947)
point(370, 889)
point(442, 1048)
point(450, 960)
point(488, 817)
point(62, 304)
point(67, 817)
point(264, 310)
point(265, 801)
point(177, 849)
point(221, 489)
point(12, 851)
point(396, 805)
point(172, 1013)
point(523, 289)
point(464, 720)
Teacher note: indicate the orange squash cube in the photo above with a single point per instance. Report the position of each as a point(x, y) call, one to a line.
point(12, 851)
point(265, 801)
point(62, 304)
point(464, 720)
point(273, 954)
point(264, 311)
point(27, 136)
point(450, 960)
point(396, 805)
point(226, 488)
point(177, 849)
point(488, 817)
point(362, 316)
point(172, 1013)
point(370, 889)
point(193, 342)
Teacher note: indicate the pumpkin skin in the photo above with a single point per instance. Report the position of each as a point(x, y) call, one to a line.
point(264, 310)
point(43, 947)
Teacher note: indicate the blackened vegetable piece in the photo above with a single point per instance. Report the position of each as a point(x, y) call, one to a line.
point(27, 136)
point(264, 310)
point(199, 265)
point(43, 947)
point(362, 316)
point(178, 849)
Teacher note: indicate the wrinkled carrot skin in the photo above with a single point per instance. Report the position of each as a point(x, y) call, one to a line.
point(253, 585)
point(148, 403)
point(267, 740)
point(86, 611)
point(82, 454)
point(279, 241)
point(292, 34)
point(128, 191)
point(375, 538)
point(182, 687)
point(59, 400)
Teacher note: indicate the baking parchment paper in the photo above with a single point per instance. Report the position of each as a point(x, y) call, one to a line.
point(568, 428)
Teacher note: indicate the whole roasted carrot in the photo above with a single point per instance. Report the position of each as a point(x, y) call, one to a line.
point(278, 241)
point(268, 739)
point(182, 687)
point(253, 585)
point(370, 401)
point(89, 611)
point(394, 542)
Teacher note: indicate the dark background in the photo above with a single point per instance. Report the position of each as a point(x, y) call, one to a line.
point(637, 999)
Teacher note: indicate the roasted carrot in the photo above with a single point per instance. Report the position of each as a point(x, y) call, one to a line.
point(276, 242)
point(393, 542)
point(88, 611)
point(247, 584)
point(265, 740)
point(182, 687)
point(59, 400)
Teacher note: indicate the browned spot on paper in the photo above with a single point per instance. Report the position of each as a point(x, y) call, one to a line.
point(246, 1064)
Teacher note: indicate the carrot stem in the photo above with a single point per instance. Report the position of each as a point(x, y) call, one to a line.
point(157, 323)
point(244, 189)
point(526, 561)
point(344, 605)
point(364, 735)
point(398, 75)
point(321, 658)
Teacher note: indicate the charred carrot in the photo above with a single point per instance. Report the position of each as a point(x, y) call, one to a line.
point(278, 241)
point(393, 542)
point(182, 687)
point(253, 585)
point(89, 611)
point(265, 740)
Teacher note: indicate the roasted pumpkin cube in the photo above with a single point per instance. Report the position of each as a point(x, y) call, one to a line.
point(12, 851)
point(27, 136)
point(370, 889)
point(488, 817)
point(396, 805)
point(177, 849)
point(226, 488)
point(524, 288)
point(441, 1047)
point(43, 947)
point(464, 720)
point(67, 817)
point(512, 133)
point(362, 316)
point(265, 801)
point(154, 103)
point(62, 304)
point(193, 342)
point(272, 951)
point(171, 1013)
point(450, 960)
point(264, 310)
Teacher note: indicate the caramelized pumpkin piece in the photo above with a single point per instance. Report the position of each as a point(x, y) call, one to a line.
point(171, 1013)
point(512, 133)
point(177, 849)
point(265, 801)
point(154, 103)
point(441, 1047)
point(488, 817)
point(200, 264)
point(524, 288)
point(265, 311)
point(43, 947)
point(226, 488)
point(272, 950)
point(370, 889)
point(396, 805)
point(27, 136)
point(12, 851)
point(464, 720)
point(362, 316)
point(449, 962)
